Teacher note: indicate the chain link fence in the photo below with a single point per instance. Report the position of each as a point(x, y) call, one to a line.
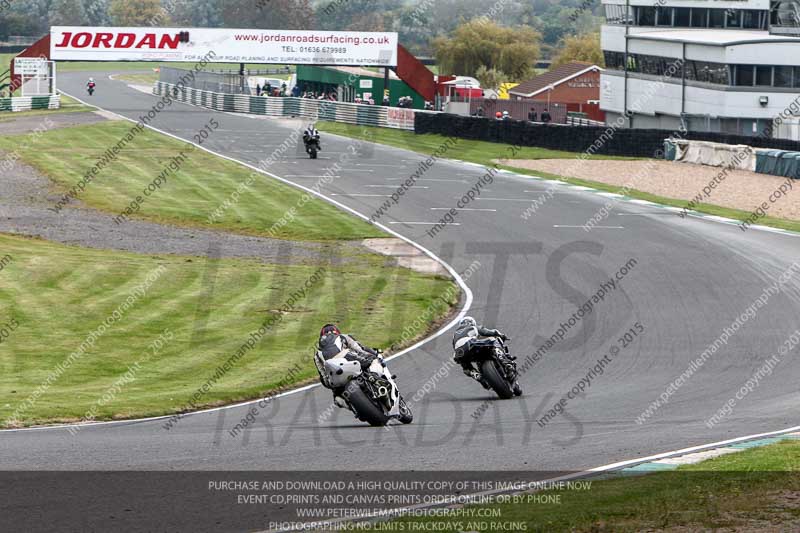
point(227, 83)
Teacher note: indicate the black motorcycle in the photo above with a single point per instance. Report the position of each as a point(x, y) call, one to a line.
point(496, 364)
point(312, 145)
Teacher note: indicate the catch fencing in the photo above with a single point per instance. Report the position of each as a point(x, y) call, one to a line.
point(359, 114)
point(218, 82)
point(27, 103)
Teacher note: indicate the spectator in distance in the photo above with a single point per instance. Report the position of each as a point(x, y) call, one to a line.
point(546, 118)
point(532, 114)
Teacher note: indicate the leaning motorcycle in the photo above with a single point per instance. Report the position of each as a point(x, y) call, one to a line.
point(497, 365)
point(371, 395)
point(312, 145)
point(90, 89)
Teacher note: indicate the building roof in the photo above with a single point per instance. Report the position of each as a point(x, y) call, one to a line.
point(714, 37)
point(557, 76)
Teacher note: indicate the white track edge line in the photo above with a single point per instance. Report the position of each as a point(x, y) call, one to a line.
point(468, 303)
point(389, 513)
point(459, 280)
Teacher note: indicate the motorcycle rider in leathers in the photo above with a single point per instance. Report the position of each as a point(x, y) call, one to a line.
point(332, 342)
point(468, 331)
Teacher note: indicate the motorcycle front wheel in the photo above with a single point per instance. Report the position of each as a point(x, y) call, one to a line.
point(364, 406)
point(406, 416)
point(496, 379)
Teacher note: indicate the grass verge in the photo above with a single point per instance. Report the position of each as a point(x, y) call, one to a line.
point(202, 185)
point(53, 296)
point(465, 149)
point(484, 153)
point(753, 490)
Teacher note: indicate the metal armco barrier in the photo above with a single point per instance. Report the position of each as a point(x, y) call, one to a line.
point(26, 103)
point(359, 114)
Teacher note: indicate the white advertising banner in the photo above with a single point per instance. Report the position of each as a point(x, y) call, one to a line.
point(290, 47)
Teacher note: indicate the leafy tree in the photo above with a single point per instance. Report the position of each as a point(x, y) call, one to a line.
point(275, 14)
point(198, 13)
point(580, 48)
point(97, 12)
point(484, 43)
point(135, 12)
point(67, 13)
point(490, 78)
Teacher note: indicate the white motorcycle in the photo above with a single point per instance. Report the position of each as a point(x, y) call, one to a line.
point(372, 395)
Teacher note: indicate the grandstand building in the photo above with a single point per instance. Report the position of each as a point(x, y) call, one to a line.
point(728, 66)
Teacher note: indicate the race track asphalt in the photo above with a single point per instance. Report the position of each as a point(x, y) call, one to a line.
point(691, 279)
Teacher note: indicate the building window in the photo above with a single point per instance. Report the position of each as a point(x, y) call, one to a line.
point(614, 60)
point(682, 17)
point(717, 18)
point(743, 75)
point(753, 19)
point(707, 72)
point(664, 16)
point(733, 18)
point(699, 17)
point(615, 14)
point(783, 76)
point(646, 16)
point(764, 76)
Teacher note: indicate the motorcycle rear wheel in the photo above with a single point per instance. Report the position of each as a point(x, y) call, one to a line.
point(362, 404)
point(496, 379)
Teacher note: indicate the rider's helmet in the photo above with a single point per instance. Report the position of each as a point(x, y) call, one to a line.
point(498, 114)
point(467, 321)
point(327, 329)
point(91, 80)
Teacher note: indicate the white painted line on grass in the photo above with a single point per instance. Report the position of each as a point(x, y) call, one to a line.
point(468, 297)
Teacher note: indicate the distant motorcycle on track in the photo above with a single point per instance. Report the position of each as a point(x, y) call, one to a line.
point(311, 140)
point(90, 88)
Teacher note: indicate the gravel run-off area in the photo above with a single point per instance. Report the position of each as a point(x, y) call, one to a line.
point(26, 195)
point(740, 189)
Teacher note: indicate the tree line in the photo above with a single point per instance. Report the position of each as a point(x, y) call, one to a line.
point(494, 40)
